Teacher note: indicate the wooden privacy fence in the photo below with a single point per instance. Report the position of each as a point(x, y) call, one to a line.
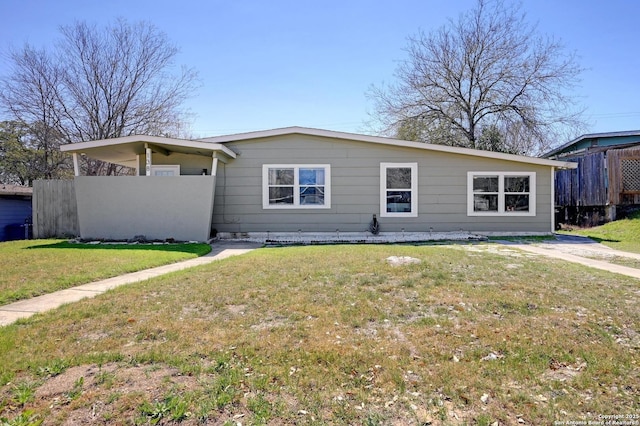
point(624, 176)
point(601, 179)
point(584, 186)
point(55, 213)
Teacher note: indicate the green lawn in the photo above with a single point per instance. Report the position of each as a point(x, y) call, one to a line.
point(33, 267)
point(621, 234)
point(336, 335)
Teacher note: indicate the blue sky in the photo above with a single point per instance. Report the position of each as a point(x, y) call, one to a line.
point(269, 64)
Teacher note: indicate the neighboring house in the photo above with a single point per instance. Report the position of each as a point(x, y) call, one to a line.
point(305, 180)
point(606, 183)
point(15, 212)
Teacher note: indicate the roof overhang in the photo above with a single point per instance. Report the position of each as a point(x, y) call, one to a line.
point(8, 190)
point(389, 141)
point(124, 150)
point(554, 152)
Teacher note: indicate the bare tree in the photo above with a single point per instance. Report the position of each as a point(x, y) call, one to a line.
point(98, 84)
point(31, 99)
point(490, 69)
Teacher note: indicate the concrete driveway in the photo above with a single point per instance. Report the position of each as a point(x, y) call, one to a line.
point(582, 250)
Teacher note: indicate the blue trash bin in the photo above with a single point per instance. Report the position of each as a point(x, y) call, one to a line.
point(14, 231)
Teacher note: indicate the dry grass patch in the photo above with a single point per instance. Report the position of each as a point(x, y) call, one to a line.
point(472, 334)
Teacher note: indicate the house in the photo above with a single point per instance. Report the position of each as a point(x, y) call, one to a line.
point(606, 183)
point(302, 180)
point(15, 212)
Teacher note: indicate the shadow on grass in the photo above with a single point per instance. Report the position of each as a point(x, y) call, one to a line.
point(523, 239)
point(199, 249)
point(606, 240)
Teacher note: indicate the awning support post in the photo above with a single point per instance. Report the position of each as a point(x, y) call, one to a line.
point(214, 164)
point(147, 150)
point(76, 165)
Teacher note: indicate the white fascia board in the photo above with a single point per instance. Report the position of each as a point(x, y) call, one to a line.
point(81, 146)
point(390, 141)
point(118, 141)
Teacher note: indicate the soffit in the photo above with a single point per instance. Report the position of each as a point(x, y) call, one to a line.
point(124, 151)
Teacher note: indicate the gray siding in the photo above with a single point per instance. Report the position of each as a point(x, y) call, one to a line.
point(189, 164)
point(355, 189)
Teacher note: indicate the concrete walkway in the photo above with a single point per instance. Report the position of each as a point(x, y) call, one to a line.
point(580, 250)
point(28, 307)
point(568, 248)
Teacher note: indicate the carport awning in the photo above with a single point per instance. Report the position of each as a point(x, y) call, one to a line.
point(125, 150)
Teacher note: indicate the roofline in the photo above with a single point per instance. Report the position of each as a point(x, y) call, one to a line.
point(15, 190)
point(81, 146)
point(591, 136)
point(388, 141)
point(16, 194)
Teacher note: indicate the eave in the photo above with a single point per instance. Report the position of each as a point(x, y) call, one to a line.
point(388, 141)
point(124, 150)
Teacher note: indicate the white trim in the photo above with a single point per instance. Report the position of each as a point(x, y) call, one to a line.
point(216, 144)
point(147, 161)
point(384, 189)
point(214, 166)
point(81, 146)
point(553, 200)
point(76, 165)
point(501, 194)
point(296, 187)
point(389, 141)
point(175, 168)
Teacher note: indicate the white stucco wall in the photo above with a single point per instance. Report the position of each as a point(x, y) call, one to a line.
point(121, 207)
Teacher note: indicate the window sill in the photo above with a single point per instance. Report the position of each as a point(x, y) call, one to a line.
point(506, 214)
point(398, 215)
point(296, 207)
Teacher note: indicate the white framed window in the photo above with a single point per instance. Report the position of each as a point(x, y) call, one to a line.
point(296, 186)
point(399, 189)
point(501, 194)
point(165, 170)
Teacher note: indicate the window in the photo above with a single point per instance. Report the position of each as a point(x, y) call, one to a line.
point(296, 186)
point(501, 194)
point(398, 190)
point(166, 170)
